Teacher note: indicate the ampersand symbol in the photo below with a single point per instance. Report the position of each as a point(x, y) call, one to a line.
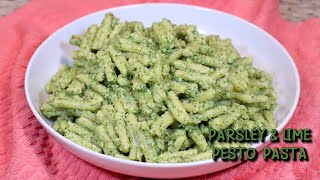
point(274, 136)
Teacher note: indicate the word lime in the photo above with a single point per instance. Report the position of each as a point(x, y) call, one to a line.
point(292, 135)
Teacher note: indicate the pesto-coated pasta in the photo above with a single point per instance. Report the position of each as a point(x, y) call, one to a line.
point(194, 77)
point(109, 66)
point(83, 132)
point(179, 138)
point(119, 60)
point(107, 144)
point(197, 136)
point(61, 80)
point(86, 123)
point(121, 131)
point(103, 31)
point(176, 108)
point(201, 156)
point(189, 66)
point(212, 113)
point(74, 104)
point(79, 140)
point(147, 143)
point(102, 90)
point(86, 44)
point(160, 125)
point(167, 156)
point(152, 94)
point(132, 126)
point(106, 117)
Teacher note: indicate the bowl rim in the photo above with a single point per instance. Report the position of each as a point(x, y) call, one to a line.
point(104, 157)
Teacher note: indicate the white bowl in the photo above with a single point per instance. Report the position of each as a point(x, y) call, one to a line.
point(268, 55)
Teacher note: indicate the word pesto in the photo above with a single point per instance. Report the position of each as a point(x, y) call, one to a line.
point(255, 135)
point(233, 154)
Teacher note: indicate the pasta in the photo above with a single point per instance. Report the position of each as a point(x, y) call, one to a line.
point(151, 94)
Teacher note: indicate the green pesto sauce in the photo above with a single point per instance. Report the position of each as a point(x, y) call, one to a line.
point(151, 93)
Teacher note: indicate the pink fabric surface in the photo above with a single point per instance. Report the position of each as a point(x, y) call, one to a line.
point(26, 151)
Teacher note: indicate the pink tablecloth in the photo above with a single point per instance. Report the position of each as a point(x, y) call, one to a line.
point(26, 151)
